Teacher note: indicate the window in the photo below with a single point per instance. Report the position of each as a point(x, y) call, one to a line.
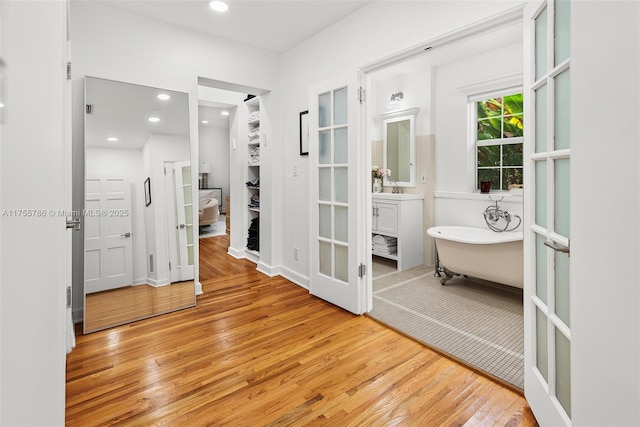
point(499, 138)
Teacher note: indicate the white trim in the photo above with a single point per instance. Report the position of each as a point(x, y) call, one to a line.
point(508, 197)
point(295, 277)
point(494, 87)
point(492, 23)
point(199, 289)
point(400, 113)
point(237, 254)
point(267, 269)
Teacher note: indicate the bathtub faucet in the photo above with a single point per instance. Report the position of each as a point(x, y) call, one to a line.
point(493, 215)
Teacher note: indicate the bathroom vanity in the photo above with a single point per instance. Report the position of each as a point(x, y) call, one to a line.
point(397, 220)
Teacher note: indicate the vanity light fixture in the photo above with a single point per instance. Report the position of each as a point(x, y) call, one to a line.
point(164, 97)
point(219, 6)
point(112, 139)
point(153, 119)
point(397, 97)
point(224, 112)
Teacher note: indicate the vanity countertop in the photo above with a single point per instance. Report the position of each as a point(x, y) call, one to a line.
point(394, 196)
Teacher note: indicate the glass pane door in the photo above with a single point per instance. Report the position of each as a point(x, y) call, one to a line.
point(547, 297)
point(333, 152)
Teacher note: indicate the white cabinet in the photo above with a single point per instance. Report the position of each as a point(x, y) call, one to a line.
point(397, 228)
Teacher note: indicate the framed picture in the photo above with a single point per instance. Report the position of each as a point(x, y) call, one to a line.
point(304, 133)
point(147, 191)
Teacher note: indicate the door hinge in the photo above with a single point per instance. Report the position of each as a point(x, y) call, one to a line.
point(69, 70)
point(169, 265)
point(69, 297)
point(361, 94)
point(362, 270)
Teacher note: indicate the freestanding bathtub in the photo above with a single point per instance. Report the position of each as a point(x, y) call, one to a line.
point(480, 253)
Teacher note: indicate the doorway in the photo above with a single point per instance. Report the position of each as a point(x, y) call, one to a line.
point(461, 318)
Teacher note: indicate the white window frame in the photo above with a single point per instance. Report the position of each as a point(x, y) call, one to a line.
point(473, 132)
point(496, 87)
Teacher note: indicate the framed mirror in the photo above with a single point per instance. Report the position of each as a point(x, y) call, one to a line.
point(399, 147)
point(138, 217)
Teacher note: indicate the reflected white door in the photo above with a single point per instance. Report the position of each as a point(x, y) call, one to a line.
point(107, 234)
point(547, 228)
point(337, 248)
point(180, 220)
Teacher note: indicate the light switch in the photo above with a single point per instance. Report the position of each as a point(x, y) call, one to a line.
point(295, 170)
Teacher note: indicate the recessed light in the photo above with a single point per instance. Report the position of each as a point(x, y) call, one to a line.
point(224, 112)
point(219, 6)
point(164, 96)
point(112, 139)
point(153, 119)
point(205, 122)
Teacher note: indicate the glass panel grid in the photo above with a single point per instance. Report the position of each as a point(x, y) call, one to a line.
point(541, 44)
point(563, 370)
point(542, 344)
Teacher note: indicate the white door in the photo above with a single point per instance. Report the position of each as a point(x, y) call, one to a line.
point(336, 177)
point(180, 220)
point(107, 234)
point(547, 228)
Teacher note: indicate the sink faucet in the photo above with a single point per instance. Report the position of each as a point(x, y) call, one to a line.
point(396, 189)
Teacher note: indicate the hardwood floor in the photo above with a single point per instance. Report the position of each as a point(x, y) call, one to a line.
point(261, 351)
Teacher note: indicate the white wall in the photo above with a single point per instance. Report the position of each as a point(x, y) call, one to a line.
point(117, 45)
point(361, 38)
point(213, 147)
point(605, 206)
point(32, 176)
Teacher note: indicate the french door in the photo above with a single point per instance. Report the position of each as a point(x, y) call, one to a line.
point(180, 220)
point(547, 226)
point(336, 211)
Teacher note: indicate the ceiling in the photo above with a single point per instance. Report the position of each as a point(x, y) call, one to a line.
point(271, 25)
point(122, 110)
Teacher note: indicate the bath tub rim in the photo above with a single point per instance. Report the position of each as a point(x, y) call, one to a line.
point(474, 235)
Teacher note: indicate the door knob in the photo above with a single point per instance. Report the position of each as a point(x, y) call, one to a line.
point(126, 235)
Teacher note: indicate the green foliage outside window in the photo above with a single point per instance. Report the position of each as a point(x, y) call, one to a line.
point(500, 119)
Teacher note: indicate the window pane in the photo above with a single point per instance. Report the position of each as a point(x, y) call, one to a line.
point(492, 175)
point(490, 107)
point(561, 29)
point(512, 126)
point(542, 345)
point(541, 44)
point(513, 104)
point(562, 111)
point(512, 155)
point(324, 184)
point(563, 371)
point(324, 148)
point(324, 110)
point(541, 119)
point(340, 104)
point(342, 263)
point(511, 177)
point(340, 146)
point(325, 258)
point(541, 193)
point(342, 223)
point(541, 268)
point(324, 216)
point(489, 155)
point(562, 287)
point(341, 185)
point(561, 205)
point(489, 129)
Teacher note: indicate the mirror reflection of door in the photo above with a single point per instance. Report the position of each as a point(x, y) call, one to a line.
point(132, 133)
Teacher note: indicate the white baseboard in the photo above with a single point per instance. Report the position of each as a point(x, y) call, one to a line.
point(294, 277)
point(237, 254)
point(77, 316)
point(199, 288)
point(268, 270)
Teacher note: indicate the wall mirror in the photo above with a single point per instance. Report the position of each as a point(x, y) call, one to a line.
point(399, 147)
point(138, 209)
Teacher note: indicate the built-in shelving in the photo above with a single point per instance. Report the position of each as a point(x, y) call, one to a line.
point(254, 138)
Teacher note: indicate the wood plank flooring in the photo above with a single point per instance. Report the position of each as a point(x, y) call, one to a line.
point(260, 351)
